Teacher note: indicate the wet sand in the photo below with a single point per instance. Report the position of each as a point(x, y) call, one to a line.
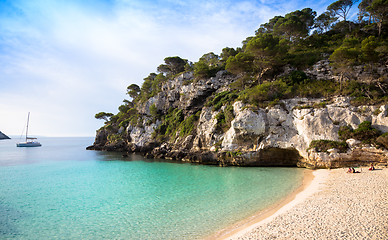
point(336, 205)
point(263, 216)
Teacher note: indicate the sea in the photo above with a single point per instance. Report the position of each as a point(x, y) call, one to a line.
point(62, 191)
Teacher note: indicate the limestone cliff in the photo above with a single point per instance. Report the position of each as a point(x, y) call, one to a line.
point(278, 135)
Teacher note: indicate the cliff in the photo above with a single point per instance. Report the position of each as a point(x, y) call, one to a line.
point(279, 134)
point(3, 136)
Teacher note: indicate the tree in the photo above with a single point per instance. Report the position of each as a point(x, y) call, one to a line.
point(133, 91)
point(296, 24)
point(201, 69)
point(241, 63)
point(211, 59)
point(368, 50)
point(124, 108)
point(172, 66)
point(268, 27)
point(189, 66)
point(227, 52)
point(103, 115)
point(307, 15)
point(146, 87)
point(156, 84)
point(292, 27)
point(341, 8)
point(324, 21)
point(267, 51)
point(342, 60)
point(207, 66)
point(362, 12)
point(128, 103)
point(379, 10)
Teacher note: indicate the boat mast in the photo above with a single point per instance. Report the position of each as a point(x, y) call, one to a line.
point(28, 119)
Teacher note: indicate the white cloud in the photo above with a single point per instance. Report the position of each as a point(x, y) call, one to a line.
point(65, 61)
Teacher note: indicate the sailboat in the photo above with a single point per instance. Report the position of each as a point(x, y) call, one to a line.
point(30, 141)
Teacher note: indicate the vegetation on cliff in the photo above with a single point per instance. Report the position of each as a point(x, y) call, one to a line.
point(270, 66)
point(364, 133)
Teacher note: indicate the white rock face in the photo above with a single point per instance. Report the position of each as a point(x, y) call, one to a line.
point(206, 136)
point(289, 126)
point(323, 71)
point(381, 121)
point(246, 128)
point(352, 143)
point(141, 135)
point(183, 93)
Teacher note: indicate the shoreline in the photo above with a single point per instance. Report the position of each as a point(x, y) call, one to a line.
point(310, 184)
point(348, 206)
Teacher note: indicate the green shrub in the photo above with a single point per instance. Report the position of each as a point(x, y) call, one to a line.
point(345, 132)
point(114, 138)
point(153, 111)
point(175, 122)
point(221, 99)
point(324, 145)
point(383, 140)
point(261, 95)
point(364, 133)
point(188, 125)
point(124, 123)
point(295, 77)
point(224, 119)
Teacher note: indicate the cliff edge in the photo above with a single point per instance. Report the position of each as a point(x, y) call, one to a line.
point(202, 121)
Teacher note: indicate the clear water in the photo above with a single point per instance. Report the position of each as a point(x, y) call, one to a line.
point(62, 191)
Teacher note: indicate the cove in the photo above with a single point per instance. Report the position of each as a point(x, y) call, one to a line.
point(76, 193)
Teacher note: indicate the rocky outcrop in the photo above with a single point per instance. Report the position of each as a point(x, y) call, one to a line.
point(140, 135)
point(247, 129)
point(187, 93)
point(279, 135)
point(322, 70)
point(3, 136)
point(276, 136)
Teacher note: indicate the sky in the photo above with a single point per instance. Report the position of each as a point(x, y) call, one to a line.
point(66, 60)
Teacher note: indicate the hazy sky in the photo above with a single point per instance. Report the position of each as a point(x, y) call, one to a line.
point(66, 60)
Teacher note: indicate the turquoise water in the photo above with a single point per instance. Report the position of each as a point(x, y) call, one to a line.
point(62, 191)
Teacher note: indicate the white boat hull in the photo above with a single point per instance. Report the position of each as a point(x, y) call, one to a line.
point(28, 144)
point(30, 141)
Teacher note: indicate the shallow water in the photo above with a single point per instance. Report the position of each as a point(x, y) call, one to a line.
point(62, 191)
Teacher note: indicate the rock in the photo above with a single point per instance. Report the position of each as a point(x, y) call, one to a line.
point(352, 143)
point(148, 147)
point(268, 157)
point(141, 135)
point(3, 136)
point(206, 130)
point(187, 143)
point(276, 136)
point(189, 97)
point(246, 130)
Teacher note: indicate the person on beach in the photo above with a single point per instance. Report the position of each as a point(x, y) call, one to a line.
point(350, 170)
point(371, 167)
point(354, 170)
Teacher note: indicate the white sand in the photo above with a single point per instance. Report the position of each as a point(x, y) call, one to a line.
point(348, 206)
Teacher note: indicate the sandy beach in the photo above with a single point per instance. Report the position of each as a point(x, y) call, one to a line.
point(335, 205)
